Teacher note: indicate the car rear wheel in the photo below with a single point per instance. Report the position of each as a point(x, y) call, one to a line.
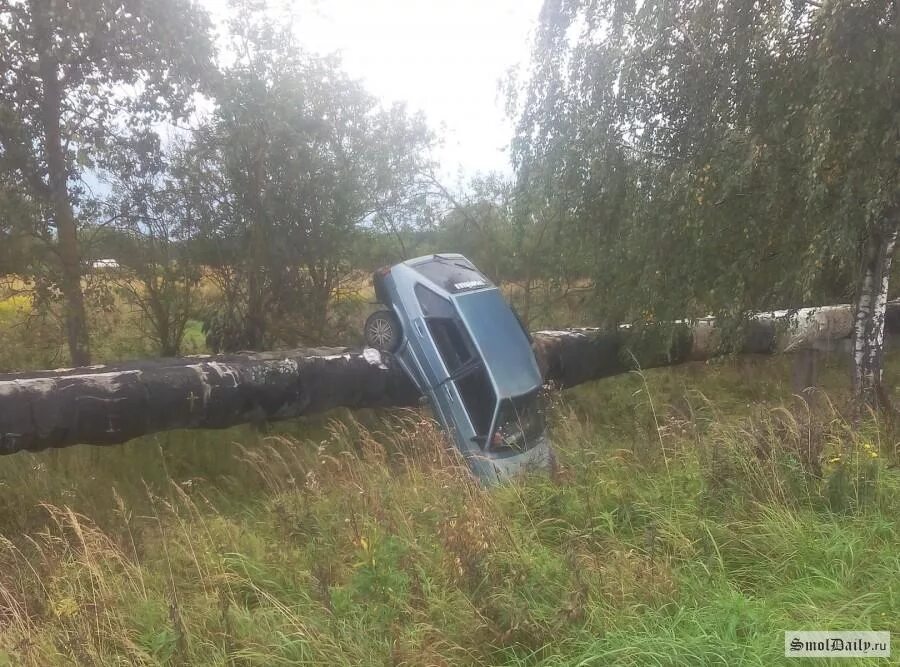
point(381, 293)
point(382, 331)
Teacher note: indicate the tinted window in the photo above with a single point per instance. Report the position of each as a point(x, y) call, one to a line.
point(432, 304)
point(450, 338)
point(453, 275)
point(451, 342)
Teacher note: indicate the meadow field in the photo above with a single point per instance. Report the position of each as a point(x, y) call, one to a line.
point(697, 512)
point(183, 177)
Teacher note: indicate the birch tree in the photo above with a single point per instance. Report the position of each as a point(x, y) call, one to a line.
point(113, 404)
point(853, 153)
point(722, 158)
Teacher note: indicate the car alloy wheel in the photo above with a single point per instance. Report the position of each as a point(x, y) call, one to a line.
point(382, 331)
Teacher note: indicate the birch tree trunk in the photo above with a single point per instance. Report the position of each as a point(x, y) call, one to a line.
point(869, 319)
point(67, 244)
point(259, 264)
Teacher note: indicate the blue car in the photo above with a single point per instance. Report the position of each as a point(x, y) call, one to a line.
point(468, 353)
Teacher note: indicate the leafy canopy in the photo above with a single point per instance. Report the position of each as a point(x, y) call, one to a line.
point(718, 157)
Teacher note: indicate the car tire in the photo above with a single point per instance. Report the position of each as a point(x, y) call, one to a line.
point(381, 294)
point(382, 331)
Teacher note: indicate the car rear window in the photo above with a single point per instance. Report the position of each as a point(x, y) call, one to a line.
point(453, 275)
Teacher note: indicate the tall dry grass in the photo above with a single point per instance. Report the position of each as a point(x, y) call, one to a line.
point(688, 523)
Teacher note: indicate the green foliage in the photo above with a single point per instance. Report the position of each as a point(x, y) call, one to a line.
point(80, 81)
point(543, 273)
point(295, 161)
point(715, 158)
point(32, 338)
point(156, 276)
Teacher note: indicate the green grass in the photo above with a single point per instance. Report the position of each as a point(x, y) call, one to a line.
point(697, 513)
point(34, 338)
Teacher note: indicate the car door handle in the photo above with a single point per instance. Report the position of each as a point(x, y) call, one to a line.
point(449, 393)
point(419, 329)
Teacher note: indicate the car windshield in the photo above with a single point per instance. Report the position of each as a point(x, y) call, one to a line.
point(520, 422)
point(501, 340)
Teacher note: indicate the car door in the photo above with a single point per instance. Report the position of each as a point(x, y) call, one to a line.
point(461, 384)
point(446, 349)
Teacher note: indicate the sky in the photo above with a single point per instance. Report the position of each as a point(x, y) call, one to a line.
point(445, 58)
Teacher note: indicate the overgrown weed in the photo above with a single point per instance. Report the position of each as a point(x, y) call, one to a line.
point(681, 527)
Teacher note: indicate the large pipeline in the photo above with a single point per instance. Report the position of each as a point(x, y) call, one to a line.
point(107, 405)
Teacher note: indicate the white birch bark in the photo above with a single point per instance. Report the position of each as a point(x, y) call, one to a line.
point(869, 318)
point(113, 404)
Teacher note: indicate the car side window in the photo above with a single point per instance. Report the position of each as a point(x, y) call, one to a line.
point(457, 350)
point(450, 338)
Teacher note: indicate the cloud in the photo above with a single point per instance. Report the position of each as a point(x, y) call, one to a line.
point(443, 57)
